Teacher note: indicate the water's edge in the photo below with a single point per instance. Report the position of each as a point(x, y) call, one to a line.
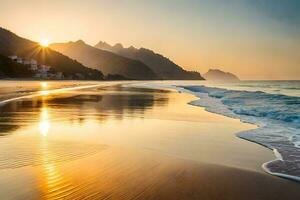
point(243, 134)
point(202, 101)
point(275, 151)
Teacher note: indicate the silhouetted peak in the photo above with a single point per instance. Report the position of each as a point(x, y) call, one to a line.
point(79, 42)
point(118, 46)
point(103, 45)
point(162, 66)
point(147, 50)
point(132, 48)
point(215, 70)
point(5, 30)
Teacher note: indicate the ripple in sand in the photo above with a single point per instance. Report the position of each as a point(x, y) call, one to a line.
point(31, 152)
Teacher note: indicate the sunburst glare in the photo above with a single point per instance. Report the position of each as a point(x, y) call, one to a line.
point(44, 42)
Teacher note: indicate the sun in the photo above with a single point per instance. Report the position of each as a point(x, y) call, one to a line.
point(44, 43)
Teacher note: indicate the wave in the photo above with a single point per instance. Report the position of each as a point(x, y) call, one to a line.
point(277, 117)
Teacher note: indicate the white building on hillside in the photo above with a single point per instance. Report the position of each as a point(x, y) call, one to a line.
point(59, 75)
point(26, 62)
point(20, 60)
point(33, 62)
point(44, 68)
point(41, 71)
point(14, 57)
point(33, 65)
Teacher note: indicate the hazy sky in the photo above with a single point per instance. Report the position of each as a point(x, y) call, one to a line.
point(256, 39)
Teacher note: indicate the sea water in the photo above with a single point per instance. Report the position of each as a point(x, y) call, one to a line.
point(274, 106)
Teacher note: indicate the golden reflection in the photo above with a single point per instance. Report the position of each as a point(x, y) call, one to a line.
point(44, 124)
point(45, 92)
point(44, 84)
point(53, 184)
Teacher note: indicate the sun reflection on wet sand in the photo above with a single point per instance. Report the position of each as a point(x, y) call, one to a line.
point(53, 184)
point(97, 143)
point(44, 84)
point(44, 92)
point(44, 124)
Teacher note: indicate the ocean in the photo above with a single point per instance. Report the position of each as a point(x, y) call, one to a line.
point(274, 106)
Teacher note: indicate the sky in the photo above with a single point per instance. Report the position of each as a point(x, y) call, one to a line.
point(254, 39)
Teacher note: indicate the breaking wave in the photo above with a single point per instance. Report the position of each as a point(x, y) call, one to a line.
point(277, 117)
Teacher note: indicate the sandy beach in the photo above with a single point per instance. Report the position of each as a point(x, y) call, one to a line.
point(150, 100)
point(113, 142)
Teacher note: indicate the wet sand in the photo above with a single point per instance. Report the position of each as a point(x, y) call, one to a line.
point(121, 174)
point(128, 143)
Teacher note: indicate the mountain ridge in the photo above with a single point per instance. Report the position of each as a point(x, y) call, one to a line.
point(161, 65)
point(108, 62)
point(12, 44)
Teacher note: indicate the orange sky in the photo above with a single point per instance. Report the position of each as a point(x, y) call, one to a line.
point(250, 40)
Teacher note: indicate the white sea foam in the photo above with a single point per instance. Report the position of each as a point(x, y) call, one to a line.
point(277, 117)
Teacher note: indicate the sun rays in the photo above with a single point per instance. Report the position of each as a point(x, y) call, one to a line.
point(44, 42)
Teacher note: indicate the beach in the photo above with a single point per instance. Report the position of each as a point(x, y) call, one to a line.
point(114, 141)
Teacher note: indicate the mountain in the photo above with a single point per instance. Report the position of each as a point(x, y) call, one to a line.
point(162, 66)
point(11, 44)
point(10, 69)
point(109, 63)
point(218, 75)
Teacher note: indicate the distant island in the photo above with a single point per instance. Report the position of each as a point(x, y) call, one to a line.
point(218, 75)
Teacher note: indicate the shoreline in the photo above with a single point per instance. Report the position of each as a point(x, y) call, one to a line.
point(109, 131)
point(264, 167)
point(276, 153)
point(179, 89)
